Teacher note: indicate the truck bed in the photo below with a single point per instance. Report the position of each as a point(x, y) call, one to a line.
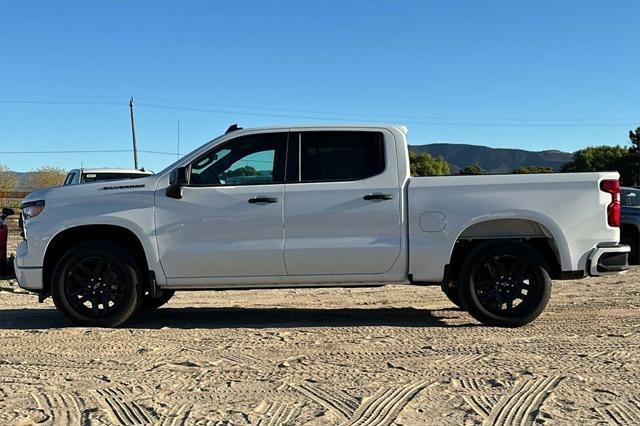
point(443, 210)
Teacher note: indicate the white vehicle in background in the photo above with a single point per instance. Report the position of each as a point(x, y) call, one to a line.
point(76, 176)
point(317, 206)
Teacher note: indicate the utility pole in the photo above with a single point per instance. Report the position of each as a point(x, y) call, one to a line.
point(133, 135)
point(178, 138)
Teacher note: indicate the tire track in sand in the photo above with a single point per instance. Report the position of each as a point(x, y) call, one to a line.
point(178, 415)
point(482, 405)
point(279, 413)
point(63, 406)
point(382, 408)
point(520, 405)
point(621, 413)
point(123, 411)
point(338, 402)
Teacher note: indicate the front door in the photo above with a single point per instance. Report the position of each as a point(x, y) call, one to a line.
point(229, 222)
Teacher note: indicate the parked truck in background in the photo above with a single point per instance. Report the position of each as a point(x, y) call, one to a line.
point(630, 230)
point(316, 206)
point(83, 175)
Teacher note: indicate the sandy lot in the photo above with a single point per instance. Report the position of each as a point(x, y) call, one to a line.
point(393, 355)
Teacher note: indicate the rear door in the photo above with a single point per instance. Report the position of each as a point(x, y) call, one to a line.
point(342, 203)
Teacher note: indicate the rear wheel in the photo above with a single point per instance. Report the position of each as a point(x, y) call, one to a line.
point(150, 303)
point(504, 284)
point(97, 284)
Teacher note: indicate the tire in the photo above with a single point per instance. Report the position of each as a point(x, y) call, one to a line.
point(631, 241)
point(504, 284)
point(97, 284)
point(452, 295)
point(149, 303)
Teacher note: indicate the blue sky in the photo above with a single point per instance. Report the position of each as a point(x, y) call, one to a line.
point(525, 74)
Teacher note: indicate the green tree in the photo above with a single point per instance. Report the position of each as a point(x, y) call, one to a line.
point(45, 177)
point(596, 159)
point(631, 173)
point(243, 171)
point(240, 171)
point(634, 136)
point(8, 179)
point(623, 159)
point(473, 169)
point(425, 164)
point(522, 170)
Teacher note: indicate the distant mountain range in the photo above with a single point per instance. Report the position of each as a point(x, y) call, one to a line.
point(459, 156)
point(493, 160)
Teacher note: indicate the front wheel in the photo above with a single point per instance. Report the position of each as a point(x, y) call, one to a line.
point(504, 284)
point(97, 284)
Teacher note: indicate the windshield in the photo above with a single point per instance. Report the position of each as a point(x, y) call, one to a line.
point(630, 197)
point(192, 153)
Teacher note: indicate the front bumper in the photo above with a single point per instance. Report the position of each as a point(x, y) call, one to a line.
point(28, 278)
point(609, 259)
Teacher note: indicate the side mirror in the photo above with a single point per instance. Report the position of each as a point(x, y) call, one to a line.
point(177, 180)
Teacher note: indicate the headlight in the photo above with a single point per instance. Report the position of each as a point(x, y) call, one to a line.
point(32, 209)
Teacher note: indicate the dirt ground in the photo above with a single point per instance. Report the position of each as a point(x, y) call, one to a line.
point(379, 356)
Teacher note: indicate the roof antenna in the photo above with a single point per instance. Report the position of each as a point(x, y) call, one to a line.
point(233, 128)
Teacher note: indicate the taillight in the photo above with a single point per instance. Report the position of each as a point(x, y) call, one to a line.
point(612, 186)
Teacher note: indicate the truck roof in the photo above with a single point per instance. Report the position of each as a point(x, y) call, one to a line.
point(403, 129)
point(112, 170)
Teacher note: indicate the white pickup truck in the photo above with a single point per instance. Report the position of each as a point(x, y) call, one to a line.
point(316, 206)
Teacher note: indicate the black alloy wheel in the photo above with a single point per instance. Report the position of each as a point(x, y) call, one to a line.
point(95, 286)
point(98, 283)
point(504, 283)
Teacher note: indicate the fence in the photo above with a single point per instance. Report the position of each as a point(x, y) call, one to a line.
point(12, 198)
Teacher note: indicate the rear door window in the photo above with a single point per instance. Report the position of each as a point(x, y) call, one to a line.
point(329, 156)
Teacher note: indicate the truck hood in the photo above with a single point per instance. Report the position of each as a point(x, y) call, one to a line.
point(93, 189)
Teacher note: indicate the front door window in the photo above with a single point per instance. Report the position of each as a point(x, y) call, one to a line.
point(248, 160)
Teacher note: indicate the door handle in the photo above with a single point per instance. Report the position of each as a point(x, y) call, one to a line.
point(373, 197)
point(263, 200)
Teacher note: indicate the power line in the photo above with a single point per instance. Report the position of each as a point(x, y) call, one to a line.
point(427, 123)
point(339, 116)
point(374, 114)
point(54, 95)
point(316, 112)
point(8, 101)
point(88, 151)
